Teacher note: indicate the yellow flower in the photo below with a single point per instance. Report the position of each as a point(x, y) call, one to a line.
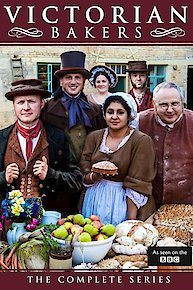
point(15, 194)
point(19, 200)
point(16, 209)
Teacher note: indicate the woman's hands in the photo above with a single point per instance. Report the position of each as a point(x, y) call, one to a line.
point(92, 177)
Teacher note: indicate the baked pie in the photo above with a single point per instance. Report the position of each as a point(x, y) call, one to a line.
point(105, 167)
point(175, 221)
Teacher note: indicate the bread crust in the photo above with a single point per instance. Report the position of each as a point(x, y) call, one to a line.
point(105, 167)
point(175, 221)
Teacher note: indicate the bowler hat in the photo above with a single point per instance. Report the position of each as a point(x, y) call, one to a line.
point(27, 87)
point(72, 62)
point(137, 66)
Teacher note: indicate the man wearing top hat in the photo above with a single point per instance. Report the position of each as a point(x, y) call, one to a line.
point(138, 76)
point(69, 109)
point(35, 158)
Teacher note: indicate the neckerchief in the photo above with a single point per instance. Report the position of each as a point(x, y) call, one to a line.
point(77, 110)
point(29, 134)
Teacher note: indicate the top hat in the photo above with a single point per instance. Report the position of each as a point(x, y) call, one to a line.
point(107, 70)
point(72, 62)
point(137, 66)
point(27, 87)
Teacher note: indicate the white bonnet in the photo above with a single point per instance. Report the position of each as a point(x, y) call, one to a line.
point(103, 69)
point(129, 100)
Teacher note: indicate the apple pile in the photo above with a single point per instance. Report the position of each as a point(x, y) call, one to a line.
point(87, 229)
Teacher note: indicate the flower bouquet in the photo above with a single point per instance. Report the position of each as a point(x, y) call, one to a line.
point(17, 209)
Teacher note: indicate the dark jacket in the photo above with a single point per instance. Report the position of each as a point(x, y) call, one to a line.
point(55, 114)
point(64, 177)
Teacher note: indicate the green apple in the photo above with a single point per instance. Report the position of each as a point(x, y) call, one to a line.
point(69, 238)
point(108, 230)
point(88, 221)
point(85, 237)
point(69, 218)
point(78, 219)
point(91, 230)
point(60, 233)
point(68, 225)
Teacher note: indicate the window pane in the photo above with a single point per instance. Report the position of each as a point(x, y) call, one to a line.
point(113, 67)
point(160, 70)
point(151, 68)
point(42, 68)
point(122, 80)
point(118, 70)
point(42, 72)
point(151, 81)
point(45, 72)
point(123, 69)
point(160, 80)
point(120, 86)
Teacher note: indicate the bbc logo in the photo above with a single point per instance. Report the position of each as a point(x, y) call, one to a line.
point(169, 259)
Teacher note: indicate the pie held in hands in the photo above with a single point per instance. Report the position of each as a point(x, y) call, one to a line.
point(105, 167)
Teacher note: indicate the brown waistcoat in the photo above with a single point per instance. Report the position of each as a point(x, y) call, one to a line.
point(174, 148)
point(27, 182)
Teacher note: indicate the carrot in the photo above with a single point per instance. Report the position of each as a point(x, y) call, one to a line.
point(19, 265)
point(3, 265)
point(12, 263)
point(8, 263)
point(15, 261)
point(2, 257)
point(10, 254)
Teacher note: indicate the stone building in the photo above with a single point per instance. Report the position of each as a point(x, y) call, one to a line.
point(170, 63)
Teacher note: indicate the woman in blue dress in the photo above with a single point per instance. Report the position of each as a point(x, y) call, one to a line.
point(118, 198)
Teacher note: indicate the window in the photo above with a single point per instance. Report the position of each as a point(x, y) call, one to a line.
point(157, 75)
point(122, 84)
point(45, 72)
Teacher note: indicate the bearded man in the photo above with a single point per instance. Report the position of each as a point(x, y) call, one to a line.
point(138, 77)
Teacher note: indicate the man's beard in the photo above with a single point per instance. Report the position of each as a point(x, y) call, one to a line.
point(141, 87)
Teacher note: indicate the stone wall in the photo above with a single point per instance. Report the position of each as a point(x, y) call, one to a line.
point(177, 59)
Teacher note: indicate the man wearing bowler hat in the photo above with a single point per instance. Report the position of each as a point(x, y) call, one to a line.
point(138, 76)
point(36, 158)
point(69, 109)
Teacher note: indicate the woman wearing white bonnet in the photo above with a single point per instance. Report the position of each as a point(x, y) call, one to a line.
point(102, 79)
point(115, 198)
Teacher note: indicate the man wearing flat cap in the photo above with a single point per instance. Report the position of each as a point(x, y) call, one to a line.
point(36, 158)
point(69, 109)
point(138, 77)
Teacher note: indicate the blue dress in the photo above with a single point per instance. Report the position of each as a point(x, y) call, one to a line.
point(107, 198)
